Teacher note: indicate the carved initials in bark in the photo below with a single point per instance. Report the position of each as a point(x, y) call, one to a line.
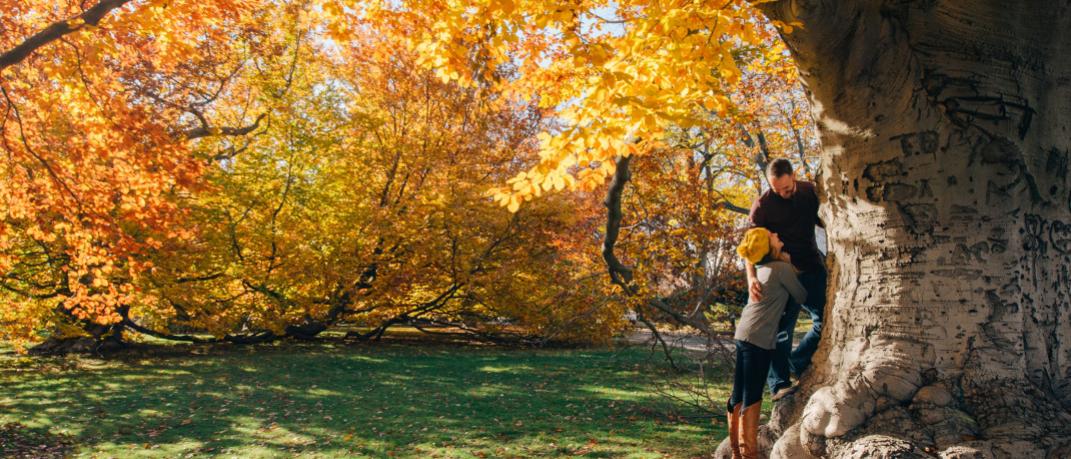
point(944, 134)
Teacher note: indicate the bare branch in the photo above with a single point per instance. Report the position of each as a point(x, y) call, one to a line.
point(658, 338)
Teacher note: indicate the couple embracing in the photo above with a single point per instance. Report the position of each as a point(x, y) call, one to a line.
point(785, 274)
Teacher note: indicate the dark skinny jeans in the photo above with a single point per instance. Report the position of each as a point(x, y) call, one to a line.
point(749, 378)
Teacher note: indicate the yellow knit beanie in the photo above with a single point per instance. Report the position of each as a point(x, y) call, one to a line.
point(755, 246)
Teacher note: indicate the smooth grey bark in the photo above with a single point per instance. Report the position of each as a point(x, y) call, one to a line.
point(946, 132)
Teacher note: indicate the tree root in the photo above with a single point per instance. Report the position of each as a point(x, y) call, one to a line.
point(890, 406)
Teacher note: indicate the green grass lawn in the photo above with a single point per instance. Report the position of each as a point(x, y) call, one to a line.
point(341, 400)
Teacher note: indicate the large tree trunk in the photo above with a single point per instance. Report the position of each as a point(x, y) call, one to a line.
point(946, 130)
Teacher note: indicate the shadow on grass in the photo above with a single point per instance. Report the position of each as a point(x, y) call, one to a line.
point(19, 441)
point(331, 400)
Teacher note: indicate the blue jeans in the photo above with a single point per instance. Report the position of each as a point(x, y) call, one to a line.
point(785, 359)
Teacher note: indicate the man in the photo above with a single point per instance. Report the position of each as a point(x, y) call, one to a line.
point(790, 209)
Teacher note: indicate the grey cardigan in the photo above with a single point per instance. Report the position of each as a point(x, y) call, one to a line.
point(758, 322)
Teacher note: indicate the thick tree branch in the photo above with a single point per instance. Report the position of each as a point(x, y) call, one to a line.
point(197, 133)
point(57, 30)
point(619, 273)
point(129, 323)
point(725, 204)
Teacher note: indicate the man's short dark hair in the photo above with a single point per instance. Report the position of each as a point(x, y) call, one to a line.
point(779, 167)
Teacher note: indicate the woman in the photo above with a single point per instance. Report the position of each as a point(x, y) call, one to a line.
point(756, 333)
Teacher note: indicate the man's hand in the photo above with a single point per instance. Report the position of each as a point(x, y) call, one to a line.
point(755, 290)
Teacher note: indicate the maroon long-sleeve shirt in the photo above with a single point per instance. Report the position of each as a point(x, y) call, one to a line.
point(793, 220)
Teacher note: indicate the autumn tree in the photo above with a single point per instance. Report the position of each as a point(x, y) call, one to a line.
point(259, 170)
point(944, 184)
point(365, 202)
point(98, 105)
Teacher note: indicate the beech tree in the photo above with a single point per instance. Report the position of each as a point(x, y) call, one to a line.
point(945, 185)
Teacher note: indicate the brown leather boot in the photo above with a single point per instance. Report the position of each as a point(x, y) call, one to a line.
point(734, 430)
point(749, 431)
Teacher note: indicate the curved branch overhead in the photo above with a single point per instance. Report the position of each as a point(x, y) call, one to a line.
point(57, 30)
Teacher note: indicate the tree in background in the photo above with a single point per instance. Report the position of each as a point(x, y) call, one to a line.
point(354, 188)
point(98, 106)
point(365, 202)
